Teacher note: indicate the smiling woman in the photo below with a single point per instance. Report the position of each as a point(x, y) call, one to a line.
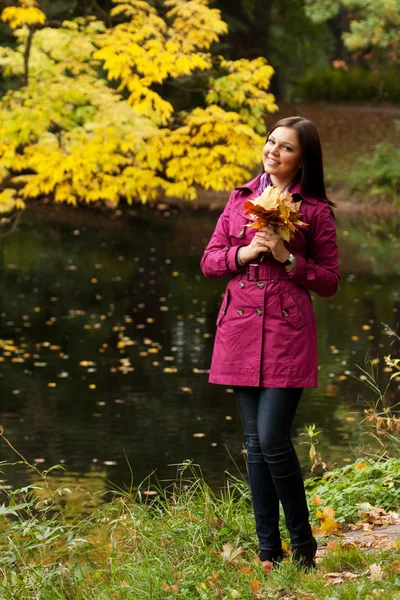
point(282, 156)
point(265, 345)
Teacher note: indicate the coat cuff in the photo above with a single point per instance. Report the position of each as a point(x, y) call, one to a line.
point(303, 271)
point(231, 259)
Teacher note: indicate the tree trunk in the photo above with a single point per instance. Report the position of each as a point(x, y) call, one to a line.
point(27, 54)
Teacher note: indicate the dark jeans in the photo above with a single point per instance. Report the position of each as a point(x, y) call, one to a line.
point(274, 469)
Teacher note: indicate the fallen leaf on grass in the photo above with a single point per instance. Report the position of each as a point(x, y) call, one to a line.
point(255, 586)
point(231, 554)
point(330, 525)
point(376, 593)
point(332, 545)
point(350, 545)
point(376, 572)
point(213, 579)
point(214, 552)
point(338, 578)
point(377, 516)
point(396, 566)
point(170, 588)
point(267, 566)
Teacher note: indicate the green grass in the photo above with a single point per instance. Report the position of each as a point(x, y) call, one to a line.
point(184, 542)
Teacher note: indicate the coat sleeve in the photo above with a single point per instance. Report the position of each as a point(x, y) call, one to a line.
point(219, 257)
point(319, 272)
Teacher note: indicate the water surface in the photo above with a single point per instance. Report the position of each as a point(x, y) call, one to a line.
point(109, 328)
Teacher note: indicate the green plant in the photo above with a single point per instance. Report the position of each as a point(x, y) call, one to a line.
point(383, 172)
point(382, 414)
point(365, 481)
point(352, 85)
point(315, 456)
point(184, 541)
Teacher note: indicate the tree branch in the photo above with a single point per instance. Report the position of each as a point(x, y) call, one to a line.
point(27, 54)
point(17, 218)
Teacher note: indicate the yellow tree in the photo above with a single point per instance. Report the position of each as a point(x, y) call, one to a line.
point(73, 135)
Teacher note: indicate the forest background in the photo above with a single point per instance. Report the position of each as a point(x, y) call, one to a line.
point(131, 100)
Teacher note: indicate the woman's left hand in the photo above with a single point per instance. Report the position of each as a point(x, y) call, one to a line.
point(267, 236)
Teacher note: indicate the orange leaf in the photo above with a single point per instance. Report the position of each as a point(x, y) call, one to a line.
point(255, 586)
point(349, 546)
point(330, 525)
point(214, 577)
point(317, 500)
point(360, 466)
point(332, 545)
point(170, 588)
point(267, 566)
point(328, 512)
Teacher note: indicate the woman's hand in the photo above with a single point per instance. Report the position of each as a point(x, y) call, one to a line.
point(265, 240)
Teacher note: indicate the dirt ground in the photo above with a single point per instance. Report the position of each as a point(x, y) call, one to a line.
point(381, 529)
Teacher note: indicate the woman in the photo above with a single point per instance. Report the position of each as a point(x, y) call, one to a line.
point(265, 345)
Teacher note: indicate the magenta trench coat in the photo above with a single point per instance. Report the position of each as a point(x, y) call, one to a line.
point(266, 334)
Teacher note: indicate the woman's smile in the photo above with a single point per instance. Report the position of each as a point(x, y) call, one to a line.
point(282, 156)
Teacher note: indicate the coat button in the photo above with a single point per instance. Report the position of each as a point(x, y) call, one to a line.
point(241, 284)
point(260, 285)
point(223, 311)
point(259, 311)
point(240, 233)
point(240, 311)
point(285, 312)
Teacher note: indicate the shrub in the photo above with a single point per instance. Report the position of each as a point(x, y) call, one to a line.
point(355, 85)
point(379, 173)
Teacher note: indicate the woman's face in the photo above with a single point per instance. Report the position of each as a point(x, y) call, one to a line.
point(282, 154)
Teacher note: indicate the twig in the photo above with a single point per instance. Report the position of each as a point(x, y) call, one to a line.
point(17, 219)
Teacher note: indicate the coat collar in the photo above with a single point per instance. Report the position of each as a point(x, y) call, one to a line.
point(253, 185)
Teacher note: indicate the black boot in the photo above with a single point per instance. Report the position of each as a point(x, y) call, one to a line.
point(274, 556)
point(304, 555)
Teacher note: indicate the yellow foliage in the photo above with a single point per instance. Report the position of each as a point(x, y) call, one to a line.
point(27, 13)
point(71, 136)
point(9, 202)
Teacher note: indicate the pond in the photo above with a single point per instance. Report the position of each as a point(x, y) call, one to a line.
point(108, 328)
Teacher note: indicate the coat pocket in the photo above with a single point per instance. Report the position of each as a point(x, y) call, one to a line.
point(239, 229)
point(291, 312)
point(224, 307)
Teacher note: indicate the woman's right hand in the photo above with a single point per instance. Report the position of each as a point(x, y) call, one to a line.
point(251, 252)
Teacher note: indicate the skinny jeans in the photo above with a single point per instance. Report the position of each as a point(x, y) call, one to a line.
point(273, 467)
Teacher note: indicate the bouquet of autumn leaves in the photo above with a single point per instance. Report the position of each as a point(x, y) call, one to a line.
point(276, 209)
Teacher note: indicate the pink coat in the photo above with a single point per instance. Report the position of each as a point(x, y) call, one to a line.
point(266, 334)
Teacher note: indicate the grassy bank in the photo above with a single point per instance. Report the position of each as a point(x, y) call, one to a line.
point(185, 541)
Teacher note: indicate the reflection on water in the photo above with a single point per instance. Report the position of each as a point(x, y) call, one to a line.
point(109, 326)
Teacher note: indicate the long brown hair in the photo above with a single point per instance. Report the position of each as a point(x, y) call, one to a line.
point(312, 171)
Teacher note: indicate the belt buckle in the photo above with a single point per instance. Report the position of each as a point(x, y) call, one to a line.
point(252, 272)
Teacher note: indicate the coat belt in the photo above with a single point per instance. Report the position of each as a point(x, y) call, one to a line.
point(257, 272)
